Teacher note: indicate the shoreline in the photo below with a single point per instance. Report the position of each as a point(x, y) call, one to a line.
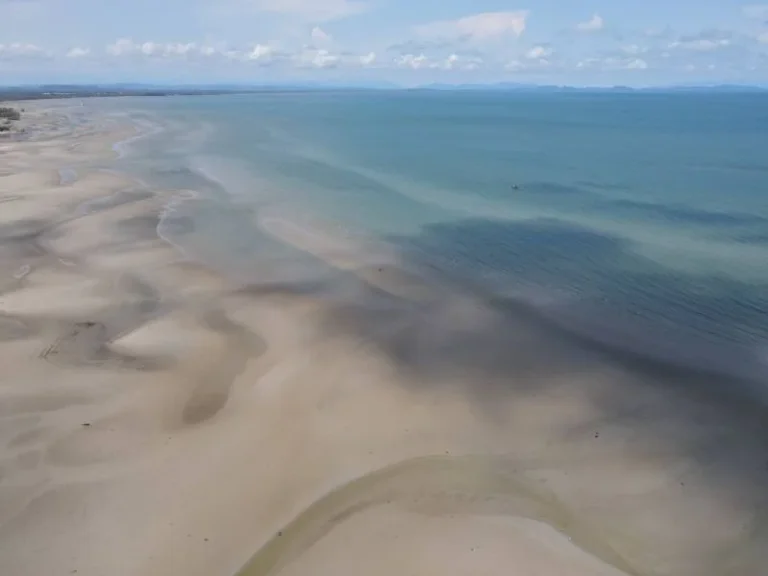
point(650, 343)
point(158, 418)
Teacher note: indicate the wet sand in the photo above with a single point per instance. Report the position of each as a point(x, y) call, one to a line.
point(157, 418)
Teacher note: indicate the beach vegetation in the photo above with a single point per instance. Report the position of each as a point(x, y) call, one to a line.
point(10, 113)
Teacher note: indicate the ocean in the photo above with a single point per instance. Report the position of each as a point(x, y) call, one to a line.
point(633, 224)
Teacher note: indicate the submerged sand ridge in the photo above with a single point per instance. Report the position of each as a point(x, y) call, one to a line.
point(417, 507)
point(157, 418)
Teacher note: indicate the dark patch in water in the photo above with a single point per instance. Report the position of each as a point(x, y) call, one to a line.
point(541, 251)
point(551, 188)
point(757, 238)
point(603, 186)
point(740, 166)
point(600, 274)
point(685, 214)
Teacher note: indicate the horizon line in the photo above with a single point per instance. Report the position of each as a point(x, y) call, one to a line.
point(437, 86)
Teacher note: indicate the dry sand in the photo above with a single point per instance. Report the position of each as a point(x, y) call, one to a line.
point(156, 419)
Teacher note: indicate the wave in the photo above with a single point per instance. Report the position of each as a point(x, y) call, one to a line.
point(144, 129)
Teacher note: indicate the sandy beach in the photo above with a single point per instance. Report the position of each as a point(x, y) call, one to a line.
point(157, 418)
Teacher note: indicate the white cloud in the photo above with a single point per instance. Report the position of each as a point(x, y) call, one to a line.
point(539, 52)
point(320, 36)
point(451, 62)
point(313, 10)
point(763, 38)
point(587, 63)
point(612, 63)
point(756, 11)
point(637, 64)
point(317, 59)
point(368, 59)
point(260, 53)
point(150, 48)
point(456, 62)
point(122, 47)
point(412, 61)
point(528, 65)
point(19, 49)
point(592, 25)
point(701, 44)
point(78, 52)
point(478, 26)
point(179, 49)
point(127, 47)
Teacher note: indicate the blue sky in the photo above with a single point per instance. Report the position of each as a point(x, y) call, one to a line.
point(409, 42)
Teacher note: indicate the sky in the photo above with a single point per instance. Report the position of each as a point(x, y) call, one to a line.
point(364, 42)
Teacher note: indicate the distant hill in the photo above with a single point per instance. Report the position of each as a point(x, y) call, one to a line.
point(48, 91)
point(45, 91)
point(519, 87)
point(712, 88)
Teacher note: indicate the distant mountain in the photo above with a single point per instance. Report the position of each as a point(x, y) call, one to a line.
point(711, 88)
point(49, 91)
point(138, 89)
point(519, 87)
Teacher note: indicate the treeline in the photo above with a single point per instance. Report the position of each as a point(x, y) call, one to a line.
point(49, 93)
point(7, 116)
point(9, 113)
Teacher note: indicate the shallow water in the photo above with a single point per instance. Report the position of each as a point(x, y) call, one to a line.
point(638, 221)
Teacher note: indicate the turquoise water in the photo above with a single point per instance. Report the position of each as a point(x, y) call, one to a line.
point(638, 222)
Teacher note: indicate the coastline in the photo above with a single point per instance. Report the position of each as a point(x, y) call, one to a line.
point(158, 418)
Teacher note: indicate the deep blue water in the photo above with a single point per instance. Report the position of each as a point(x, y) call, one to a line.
point(637, 220)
